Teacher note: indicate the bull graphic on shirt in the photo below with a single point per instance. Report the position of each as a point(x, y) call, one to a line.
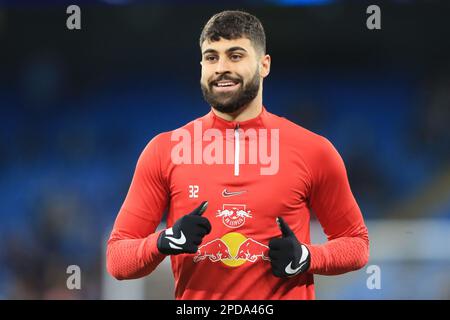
point(233, 215)
point(233, 249)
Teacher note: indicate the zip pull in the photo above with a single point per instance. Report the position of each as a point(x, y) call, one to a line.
point(236, 150)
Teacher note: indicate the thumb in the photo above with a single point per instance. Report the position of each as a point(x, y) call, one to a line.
point(285, 230)
point(200, 209)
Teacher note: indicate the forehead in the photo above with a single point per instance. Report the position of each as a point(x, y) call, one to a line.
point(224, 44)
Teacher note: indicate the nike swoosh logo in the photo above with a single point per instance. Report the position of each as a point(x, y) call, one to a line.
point(226, 194)
point(302, 262)
point(181, 240)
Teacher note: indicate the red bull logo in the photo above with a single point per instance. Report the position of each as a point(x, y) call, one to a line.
point(233, 215)
point(233, 249)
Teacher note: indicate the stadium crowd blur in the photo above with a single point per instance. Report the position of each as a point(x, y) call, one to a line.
point(78, 107)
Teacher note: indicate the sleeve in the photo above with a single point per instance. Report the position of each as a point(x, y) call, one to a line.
point(131, 250)
point(331, 199)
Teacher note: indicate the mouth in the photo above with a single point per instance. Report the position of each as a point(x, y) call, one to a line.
point(226, 85)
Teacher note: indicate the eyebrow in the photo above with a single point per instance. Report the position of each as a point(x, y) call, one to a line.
point(228, 50)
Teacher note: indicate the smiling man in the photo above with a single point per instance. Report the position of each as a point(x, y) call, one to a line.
point(239, 185)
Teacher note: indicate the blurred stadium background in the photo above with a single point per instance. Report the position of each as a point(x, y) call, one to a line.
point(78, 107)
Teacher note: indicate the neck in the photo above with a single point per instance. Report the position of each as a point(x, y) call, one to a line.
point(247, 112)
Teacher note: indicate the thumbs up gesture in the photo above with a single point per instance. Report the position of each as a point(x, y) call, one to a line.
point(186, 234)
point(288, 256)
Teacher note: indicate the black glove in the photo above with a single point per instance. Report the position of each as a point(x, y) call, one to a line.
point(186, 234)
point(288, 256)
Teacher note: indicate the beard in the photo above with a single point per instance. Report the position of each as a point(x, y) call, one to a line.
point(230, 102)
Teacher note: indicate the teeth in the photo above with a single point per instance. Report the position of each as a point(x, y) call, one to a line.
point(225, 84)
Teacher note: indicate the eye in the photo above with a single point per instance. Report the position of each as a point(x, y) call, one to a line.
point(211, 58)
point(235, 57)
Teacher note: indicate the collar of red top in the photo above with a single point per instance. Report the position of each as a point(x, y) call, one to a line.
point(214, 121)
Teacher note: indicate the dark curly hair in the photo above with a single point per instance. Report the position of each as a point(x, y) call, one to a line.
point(234, 25)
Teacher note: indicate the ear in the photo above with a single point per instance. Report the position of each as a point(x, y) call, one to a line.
point(264, 69)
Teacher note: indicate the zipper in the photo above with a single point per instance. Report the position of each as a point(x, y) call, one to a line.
point(236, 150)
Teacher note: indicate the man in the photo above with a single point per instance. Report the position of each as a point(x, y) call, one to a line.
point(239, 184)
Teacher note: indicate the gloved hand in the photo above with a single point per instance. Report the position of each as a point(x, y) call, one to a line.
point(288, 256)
point(186, 234)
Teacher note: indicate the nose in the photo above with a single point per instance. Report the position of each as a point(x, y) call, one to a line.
point(222, 66)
